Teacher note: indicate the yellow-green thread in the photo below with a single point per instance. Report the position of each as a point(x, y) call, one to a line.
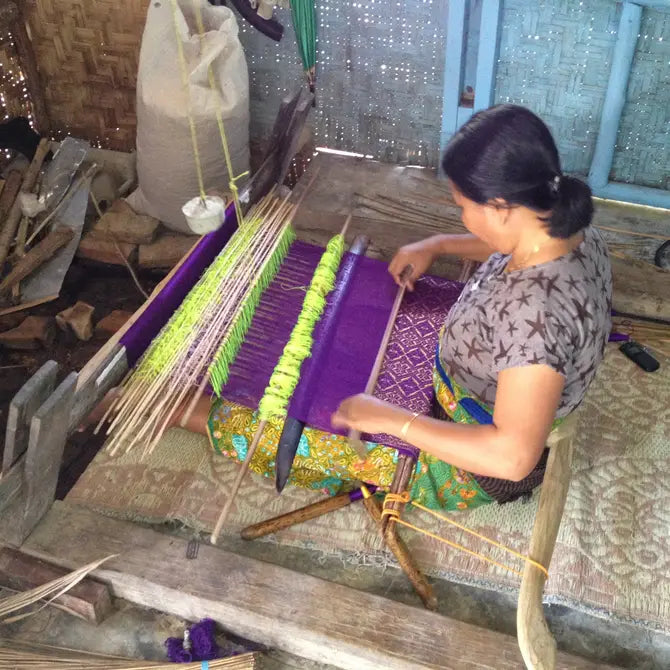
point(219, 369)
point(286, 374)
point(178, 331)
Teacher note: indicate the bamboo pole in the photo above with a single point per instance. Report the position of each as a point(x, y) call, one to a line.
point(354, 435)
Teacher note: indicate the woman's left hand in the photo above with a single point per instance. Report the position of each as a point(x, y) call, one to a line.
point(366, 414)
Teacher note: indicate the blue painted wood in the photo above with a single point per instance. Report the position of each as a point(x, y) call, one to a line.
point(487, 56)
point(463, 115)
point(453, 70)
point(615, 98)
point(656, 4)
point(641, 195)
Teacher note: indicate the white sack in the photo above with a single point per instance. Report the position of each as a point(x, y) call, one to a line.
point(165, 161)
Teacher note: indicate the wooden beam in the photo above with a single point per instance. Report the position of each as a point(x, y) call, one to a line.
point(615, 96)
point(41, 465)
point(487, 54)
point(89, 600)
point(303, 615)
point(453, 69)
point(21, 410)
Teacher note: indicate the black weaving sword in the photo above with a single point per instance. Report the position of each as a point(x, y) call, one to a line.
point(292, 431)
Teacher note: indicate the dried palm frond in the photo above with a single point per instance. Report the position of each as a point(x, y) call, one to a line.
point(51, 590)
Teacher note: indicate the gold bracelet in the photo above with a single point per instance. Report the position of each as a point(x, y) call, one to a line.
point(404, 430)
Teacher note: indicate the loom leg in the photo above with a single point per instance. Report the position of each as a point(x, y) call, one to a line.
point(536, 642)
point(404, 558)
point(401, 480)
point(297, 516)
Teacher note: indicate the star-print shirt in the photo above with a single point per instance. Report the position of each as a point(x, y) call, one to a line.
point(556, 313)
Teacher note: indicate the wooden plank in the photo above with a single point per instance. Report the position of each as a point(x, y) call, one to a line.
point(88, 600)
point(615, 96)
point(537, 644)
point(27, 305)
point(88, 396)
point(21, 410)
point(317, 227)
point(312, 618)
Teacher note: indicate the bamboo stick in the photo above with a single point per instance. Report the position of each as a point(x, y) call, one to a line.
point(354, 435)
point(241, 473)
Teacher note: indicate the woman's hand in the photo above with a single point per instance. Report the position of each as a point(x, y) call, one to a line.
point(367, 414)
point(419, 255)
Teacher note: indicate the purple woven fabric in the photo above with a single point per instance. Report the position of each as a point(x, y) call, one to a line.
point(345, 346)
point(160, 309)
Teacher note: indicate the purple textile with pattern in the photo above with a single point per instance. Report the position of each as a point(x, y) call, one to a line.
point(344, 351)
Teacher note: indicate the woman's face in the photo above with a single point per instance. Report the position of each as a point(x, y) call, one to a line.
point(487, 222)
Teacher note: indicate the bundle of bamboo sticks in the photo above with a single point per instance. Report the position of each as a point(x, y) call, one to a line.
point(649, 333)
point(19, 655)
point(203, 336)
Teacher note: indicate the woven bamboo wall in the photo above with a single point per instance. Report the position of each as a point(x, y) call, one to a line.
point(14, 98)
point(87, 53)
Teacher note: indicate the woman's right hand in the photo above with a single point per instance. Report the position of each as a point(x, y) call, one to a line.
point(420, 255)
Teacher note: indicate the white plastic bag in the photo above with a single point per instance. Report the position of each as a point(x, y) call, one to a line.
point(165, 161)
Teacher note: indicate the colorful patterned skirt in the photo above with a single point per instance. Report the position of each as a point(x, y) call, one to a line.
point(326, 462)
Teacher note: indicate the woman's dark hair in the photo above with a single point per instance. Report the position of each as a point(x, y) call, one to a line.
point(508, 152)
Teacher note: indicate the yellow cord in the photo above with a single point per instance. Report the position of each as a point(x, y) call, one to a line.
point(232, 184)
point(394, 515)
point(184, 78)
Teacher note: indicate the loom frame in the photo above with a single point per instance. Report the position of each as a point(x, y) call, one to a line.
point(61, 413)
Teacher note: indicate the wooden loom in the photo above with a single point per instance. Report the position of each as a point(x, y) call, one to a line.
point(73, 399)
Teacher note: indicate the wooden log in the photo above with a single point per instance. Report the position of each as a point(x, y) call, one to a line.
point(10, 224)
point(318, 620)
point(121, 223)
point(78, 318)
point(88, 600)
point(405, 559)
point(165, 251)
point(103, 250)
point(33, 332)
point(301, 515)
point(9, 192)
point(41, 253)
point(112, 323)
point(21, 410)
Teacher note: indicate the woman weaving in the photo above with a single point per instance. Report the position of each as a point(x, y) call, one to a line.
point(523, 341)
point(518, 349)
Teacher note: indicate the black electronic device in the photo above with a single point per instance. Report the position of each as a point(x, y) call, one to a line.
point(639, 355)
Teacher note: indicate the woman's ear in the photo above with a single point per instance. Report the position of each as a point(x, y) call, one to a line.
point(498, 212)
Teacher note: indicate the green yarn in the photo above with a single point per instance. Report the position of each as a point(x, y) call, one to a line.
point(286, 374)
point(219, 369)
point(179, 332)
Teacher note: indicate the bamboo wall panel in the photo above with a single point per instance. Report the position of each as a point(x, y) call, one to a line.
point(87, 52)
point(14, 98)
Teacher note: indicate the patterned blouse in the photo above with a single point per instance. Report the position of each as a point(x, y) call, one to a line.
point(556, 313)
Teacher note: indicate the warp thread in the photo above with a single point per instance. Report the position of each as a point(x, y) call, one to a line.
point(219, 370)
point(286, 374)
